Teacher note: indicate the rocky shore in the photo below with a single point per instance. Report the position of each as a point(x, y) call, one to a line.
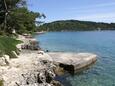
point(31, 68)
point(37, 68)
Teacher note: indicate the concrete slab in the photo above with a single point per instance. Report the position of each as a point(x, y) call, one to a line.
point(73, 61)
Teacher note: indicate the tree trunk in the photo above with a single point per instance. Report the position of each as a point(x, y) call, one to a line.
point(6, 13)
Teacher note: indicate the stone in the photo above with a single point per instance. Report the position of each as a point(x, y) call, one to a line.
point(4, 61)
point(73, 62)
point(56, 83)
point(29, 75)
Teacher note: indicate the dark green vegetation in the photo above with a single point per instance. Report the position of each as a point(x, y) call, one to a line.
point(7, 45)
point(15, 18)
point(1, 83)
point(22, 20)
point(14, 15)
point(75, 25)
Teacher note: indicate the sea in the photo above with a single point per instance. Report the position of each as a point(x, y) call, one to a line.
point(101, 43)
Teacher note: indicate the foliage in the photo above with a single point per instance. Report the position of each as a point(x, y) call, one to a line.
point(7, 45)
point(1, 83)
point(6, 6)
point(14, 15)
point(75, 25)
point(22, 20)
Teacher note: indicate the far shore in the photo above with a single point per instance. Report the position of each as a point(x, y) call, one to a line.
point(43, 32)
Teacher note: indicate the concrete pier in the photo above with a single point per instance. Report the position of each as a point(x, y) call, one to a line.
point(73, 61)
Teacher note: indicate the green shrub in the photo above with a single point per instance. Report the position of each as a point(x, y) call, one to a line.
point(1, 83)
point(7, 45)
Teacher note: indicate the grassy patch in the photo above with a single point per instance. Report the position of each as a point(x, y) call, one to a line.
point(1, 83)
point(7, 45)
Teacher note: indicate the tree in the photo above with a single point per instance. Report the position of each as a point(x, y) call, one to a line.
point(16, 16)
point(22, 20)
point(6, 6)
point(75, 25)
point(2, 11)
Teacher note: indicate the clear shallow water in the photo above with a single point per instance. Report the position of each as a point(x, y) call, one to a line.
point(100, 43)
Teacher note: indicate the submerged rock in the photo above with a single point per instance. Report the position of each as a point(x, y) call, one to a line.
point(56, 83)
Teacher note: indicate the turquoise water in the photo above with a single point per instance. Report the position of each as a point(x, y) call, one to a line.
point(100, 43)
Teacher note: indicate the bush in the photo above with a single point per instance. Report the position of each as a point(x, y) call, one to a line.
point(1, 83)
point(7, 45)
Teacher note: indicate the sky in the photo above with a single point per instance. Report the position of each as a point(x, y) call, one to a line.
point(86, 10)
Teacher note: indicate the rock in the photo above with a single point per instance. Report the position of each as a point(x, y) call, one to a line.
point(29, 75)
point(73, 62)
point(4, 61)
point(47, 74)
point(31, 68)
point(56, 83)
point(41, 52)
point(7, 58)
point(59, 71)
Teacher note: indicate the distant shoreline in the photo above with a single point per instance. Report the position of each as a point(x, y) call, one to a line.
point(39, 33)
point(75, 25)
point(44, 32)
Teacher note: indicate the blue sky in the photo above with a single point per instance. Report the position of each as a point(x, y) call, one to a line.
point(88, 10)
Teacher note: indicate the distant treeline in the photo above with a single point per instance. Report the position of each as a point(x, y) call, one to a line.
point(75, 25)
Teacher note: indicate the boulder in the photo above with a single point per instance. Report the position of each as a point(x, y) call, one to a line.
point(4, 61)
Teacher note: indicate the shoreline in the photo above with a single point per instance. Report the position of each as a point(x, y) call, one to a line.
point(33, 68)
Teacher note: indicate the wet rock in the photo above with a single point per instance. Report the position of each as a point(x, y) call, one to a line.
point(56, 83)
